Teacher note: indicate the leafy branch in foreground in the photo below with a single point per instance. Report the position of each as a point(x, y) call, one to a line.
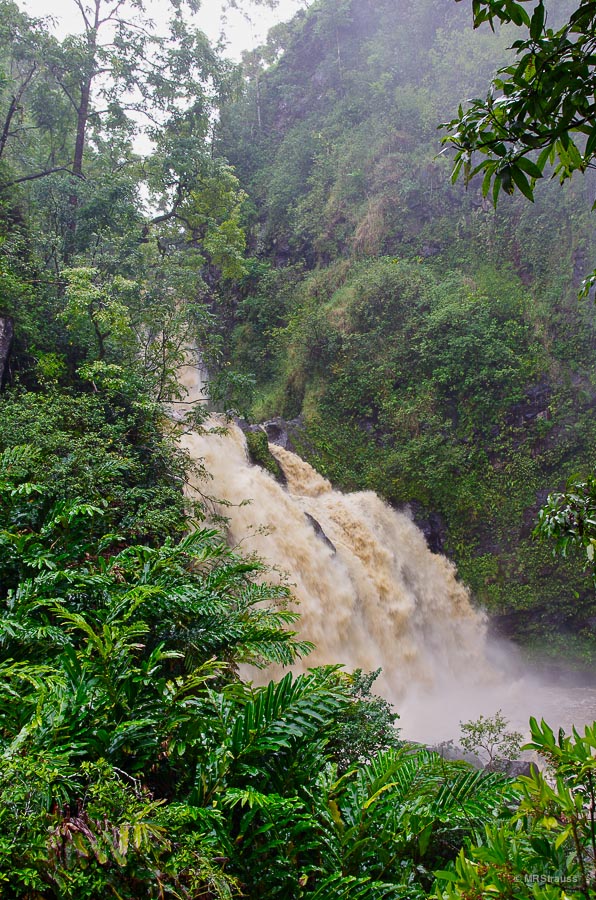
point(539, 111)
point(569, 518)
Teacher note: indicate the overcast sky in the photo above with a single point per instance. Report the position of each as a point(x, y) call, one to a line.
point(242, 35)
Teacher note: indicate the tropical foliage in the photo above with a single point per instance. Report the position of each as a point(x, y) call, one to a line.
point(538, 117)
point(135, 761)
point(546, 850)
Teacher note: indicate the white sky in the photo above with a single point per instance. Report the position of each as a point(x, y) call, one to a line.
point(242, 35)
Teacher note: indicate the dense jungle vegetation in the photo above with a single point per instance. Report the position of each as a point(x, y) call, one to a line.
point(433, 347)
point(134, 761)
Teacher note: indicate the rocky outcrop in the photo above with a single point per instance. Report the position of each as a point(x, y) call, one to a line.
point(431, 524)
point(259, 454)
point(6, 339)
point(513, 767)
point(535, 405)
point(319, 532)
point(282, 431)
point(450, 751)
point(275, 431)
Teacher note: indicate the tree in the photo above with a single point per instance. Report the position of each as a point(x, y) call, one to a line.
point(155, 234)
point(18, 71)
point(117, 79)
point(120, 59)
point(540, 110)
point(367, 724)
point(488, 736)
point(34, 113)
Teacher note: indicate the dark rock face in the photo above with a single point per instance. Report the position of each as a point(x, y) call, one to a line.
point(319, 531)
point(6, 339)
point(535, 405)
point(432, 526)
point(246, 428)
point(259, 454)
point(280, 431)
point(276, 431)
point(513, 767)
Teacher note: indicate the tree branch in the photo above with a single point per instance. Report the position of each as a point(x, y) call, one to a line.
point(67, 92)
point(84, 14)
point(166, 217)
point(14, 105)
point(111, 14)
point(38, 175)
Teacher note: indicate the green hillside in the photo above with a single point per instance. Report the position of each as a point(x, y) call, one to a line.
point(433, 347)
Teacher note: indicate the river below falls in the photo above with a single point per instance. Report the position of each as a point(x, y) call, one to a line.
point(436, 717)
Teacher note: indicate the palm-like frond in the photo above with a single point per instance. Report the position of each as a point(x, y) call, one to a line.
point(395, 805)
point(284, 712)
point(349, 887)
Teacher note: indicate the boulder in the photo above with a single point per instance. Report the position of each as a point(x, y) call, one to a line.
point(259, 453)
point(512, 767)
point(280, 431)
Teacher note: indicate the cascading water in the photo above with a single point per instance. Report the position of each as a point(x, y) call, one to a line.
point(193, 379)
point(370, 592)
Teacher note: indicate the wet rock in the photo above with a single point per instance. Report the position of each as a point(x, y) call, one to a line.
point(511, 767)
point(246, 427)
point(319, 531)
point(535, 405)
point(280, 431)
point(431, 524)
point(259, 453)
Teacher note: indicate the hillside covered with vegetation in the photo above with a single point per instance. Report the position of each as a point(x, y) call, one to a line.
point(433, 347)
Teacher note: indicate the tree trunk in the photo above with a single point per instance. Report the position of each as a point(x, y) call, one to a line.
point(6, 338)
point(82, 116)
point(6, 130)
point(13, 107)
point(77, 165)
point(258, 97)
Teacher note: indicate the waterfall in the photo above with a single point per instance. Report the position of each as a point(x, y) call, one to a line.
point(193, 380)
point(369, 591)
